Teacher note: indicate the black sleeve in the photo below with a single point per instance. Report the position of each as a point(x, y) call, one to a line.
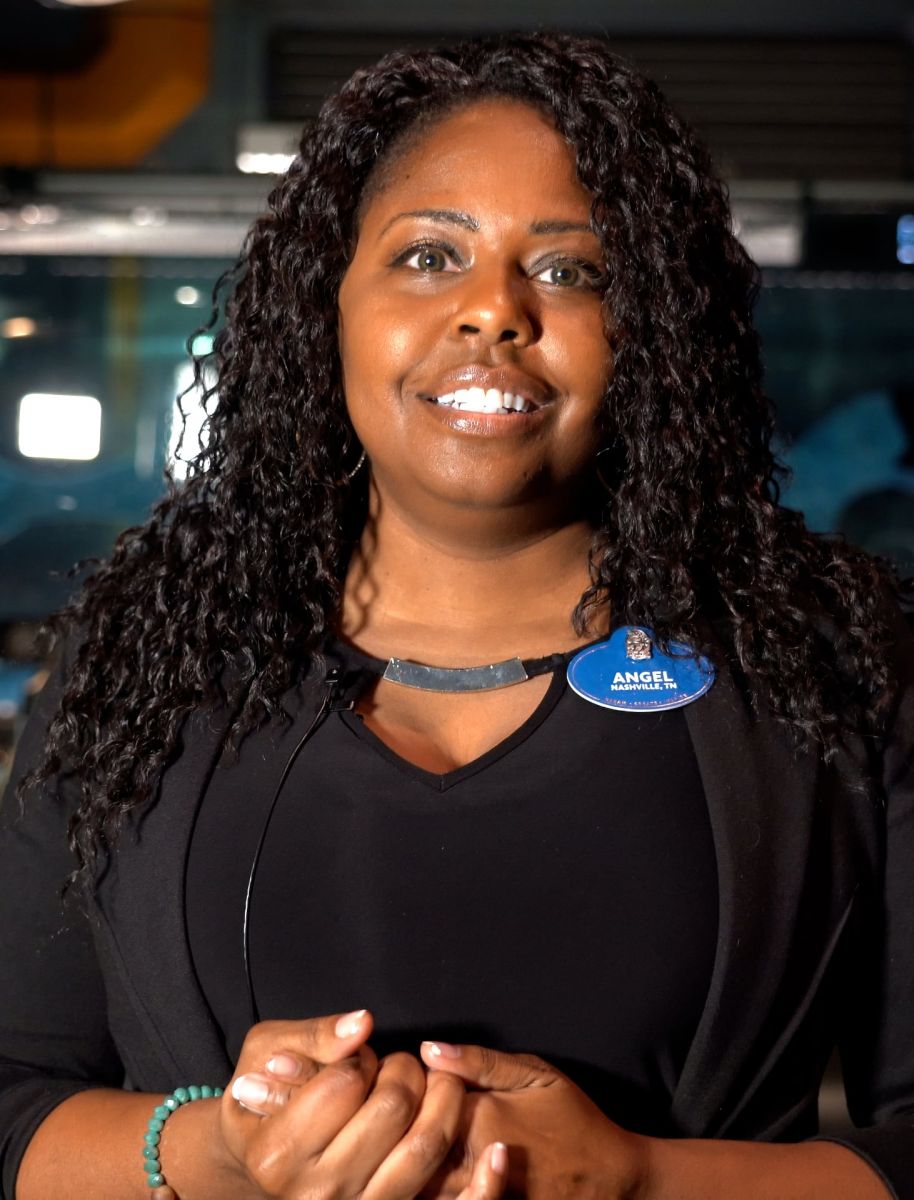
point(877, 1048)
point(54, 1039)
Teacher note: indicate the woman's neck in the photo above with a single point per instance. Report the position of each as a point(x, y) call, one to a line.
point(466, 593)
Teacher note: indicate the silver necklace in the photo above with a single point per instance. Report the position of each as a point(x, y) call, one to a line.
point(484, 678)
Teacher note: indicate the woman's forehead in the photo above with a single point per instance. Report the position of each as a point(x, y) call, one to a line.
point(493, 143)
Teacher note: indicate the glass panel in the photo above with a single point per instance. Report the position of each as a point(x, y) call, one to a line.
point(839, 356)
point(112, 329)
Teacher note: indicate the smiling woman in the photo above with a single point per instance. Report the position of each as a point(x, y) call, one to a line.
point(484, 292)
point(475, 689)
point(489, 286)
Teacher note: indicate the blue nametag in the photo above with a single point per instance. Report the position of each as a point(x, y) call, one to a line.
point(628, 672)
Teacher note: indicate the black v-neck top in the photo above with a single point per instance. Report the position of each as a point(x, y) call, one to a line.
point(558, 895)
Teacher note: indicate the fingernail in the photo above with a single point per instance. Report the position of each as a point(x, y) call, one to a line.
point(442, 1050)
point(499, 1158)
point(285, 1065)
point(250, 1091)
point(348, 1025)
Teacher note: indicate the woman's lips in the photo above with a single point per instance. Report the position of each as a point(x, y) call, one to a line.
point(512, 424)
point(480, 380)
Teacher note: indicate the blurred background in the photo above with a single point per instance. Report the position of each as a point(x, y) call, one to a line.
point(139, 138)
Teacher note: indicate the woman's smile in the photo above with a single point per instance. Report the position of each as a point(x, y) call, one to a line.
point(473, 345)
point(498, 423)
point(490, 401)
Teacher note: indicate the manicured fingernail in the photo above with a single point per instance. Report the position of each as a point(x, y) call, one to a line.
point(348, 1025)
point(285, 1066)
point(499, 1158)
point(442, 1050)
point(250, 1091)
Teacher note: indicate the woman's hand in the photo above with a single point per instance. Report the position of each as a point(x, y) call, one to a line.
point(560, 1143)
point(310, 1111)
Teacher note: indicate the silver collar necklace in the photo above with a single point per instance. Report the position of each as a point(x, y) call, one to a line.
point(458, 679)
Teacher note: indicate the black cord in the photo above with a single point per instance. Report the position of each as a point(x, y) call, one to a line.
point(333, 680)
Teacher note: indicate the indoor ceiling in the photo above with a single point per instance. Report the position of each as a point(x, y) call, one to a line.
point(771, 17)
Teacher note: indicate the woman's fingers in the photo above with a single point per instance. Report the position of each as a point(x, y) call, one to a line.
point(357, 1151)
point(277, 1055)
point(262, 1093)
point(286, 1066)
point(490, 1176)
point(318, 1040)
point(494, 1070)
point(259, 1093)
point(338, 1120)
point(283, 1154)
point(426, 1143)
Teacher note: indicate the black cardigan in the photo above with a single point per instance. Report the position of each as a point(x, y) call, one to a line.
point(815, 939)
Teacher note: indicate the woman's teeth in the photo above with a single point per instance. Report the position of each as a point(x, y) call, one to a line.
point(477, 399)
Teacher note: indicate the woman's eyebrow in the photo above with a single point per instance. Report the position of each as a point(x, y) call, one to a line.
point(561, 227)
point(452, 216)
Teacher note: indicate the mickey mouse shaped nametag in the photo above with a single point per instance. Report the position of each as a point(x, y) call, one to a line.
point(628, 672)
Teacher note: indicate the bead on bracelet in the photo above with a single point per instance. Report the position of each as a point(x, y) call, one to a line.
point(152, 1166)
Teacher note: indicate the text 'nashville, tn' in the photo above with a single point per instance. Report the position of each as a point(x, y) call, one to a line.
point(643, 681)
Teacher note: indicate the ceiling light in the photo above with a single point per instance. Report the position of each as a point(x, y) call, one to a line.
point(266, 149)
point(18, 327)
point(188, 295)
point(146, 215)
point(39, 214)
point(52, 425)
point(263, 164)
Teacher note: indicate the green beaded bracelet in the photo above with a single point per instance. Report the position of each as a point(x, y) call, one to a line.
point(160, 1114)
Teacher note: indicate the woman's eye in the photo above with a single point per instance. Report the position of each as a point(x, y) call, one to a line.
point(570, 274)
point(427, 258)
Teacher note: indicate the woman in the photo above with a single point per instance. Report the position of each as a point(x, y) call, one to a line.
point(488, 393)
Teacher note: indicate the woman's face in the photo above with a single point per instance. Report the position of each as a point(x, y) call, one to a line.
point(476, 271)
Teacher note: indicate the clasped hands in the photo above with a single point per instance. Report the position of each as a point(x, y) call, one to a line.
point(311, 1111)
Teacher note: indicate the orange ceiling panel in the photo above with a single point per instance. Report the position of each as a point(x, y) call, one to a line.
point(151, 74)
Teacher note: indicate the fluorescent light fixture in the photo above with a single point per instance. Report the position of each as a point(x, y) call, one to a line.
point(112, 234)
point(266, 149)
point(52, 425)
point(263, 164)
point(778, 244)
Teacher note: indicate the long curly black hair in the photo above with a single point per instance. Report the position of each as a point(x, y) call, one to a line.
point(227, 591)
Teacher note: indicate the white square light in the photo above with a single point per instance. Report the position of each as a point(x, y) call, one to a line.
point(52, 425)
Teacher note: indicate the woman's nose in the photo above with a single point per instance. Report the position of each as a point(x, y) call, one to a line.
point(496, 306)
